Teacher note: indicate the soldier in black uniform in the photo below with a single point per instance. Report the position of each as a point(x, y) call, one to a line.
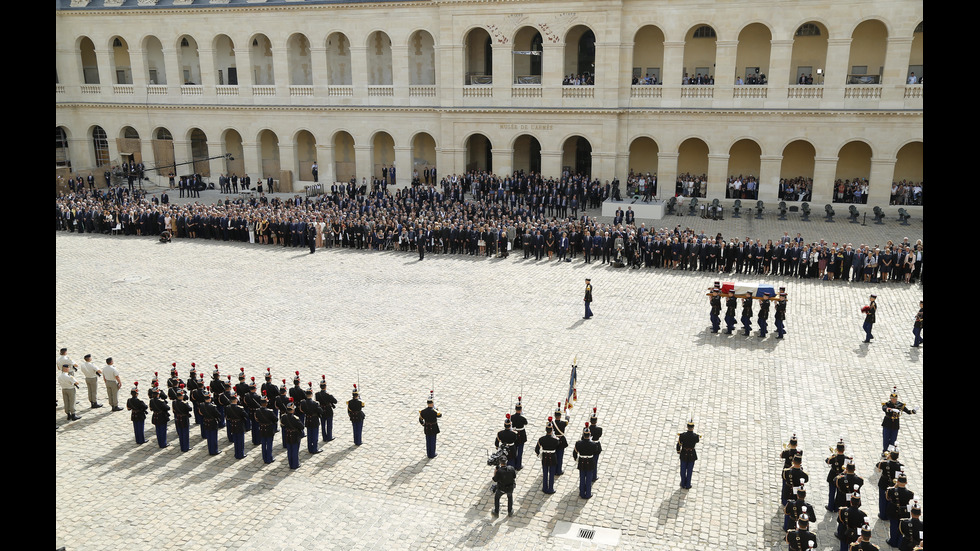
point(507, 438)
point(869, 318)
point(780, 313)
point(747, 314)
point(161, 414)
point(327, 405)
point(588, 298)
point(917, 327)
point(292, 433)
point(889, 467)
point(182, 418)
point(138, 416)
point(911, 529)
point(297, 394)
point(715, 302)
point(236, 425)
point(796, 507)
point(584, 451)
point(355, 411)
point(429, 419)
point(267, 421)
point(209, 423)
point(505, 477)
point(519, 423)
point(251, 402)
point(847, 483)
point(197, 398)
point(686, 441)
point(787, 455)
point(898, 497)
point(863, 540)
point(191, 388)
point(268, 388)
point(173, 383)
point(563, 442)
point(217, 387)
point(764, 316)
point(800, 539)
point(596, 432)
point(849, 520)
point(280, 404)
point(546, 449)
point(312, 411)
point(224, 400)
point(836, 462)
point(794, 477)
point(893, 411)
point(731, 303)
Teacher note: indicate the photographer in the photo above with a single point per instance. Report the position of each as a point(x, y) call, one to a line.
point(504, 477)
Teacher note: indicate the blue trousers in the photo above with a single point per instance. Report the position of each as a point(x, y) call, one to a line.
point(292, 453)
point(585, 483)
point(763, 328)
point(313, 438)
point(715, 323)
point(184, 437)
point(918, 336)
point(588, 311)
point(833, 496)
point(548, 475)
point(747, 324)
point(687, 469)
point(894, 535)
point(430, 445)
point(595, 468)
point(221, 417)
point(239, 440)
point(161, 435)
point(256, 439)
point(519, 456)
point(730, 323)
point(231, 437)
point(326, 429)
point(888, 437)
point(138, 431)
point(867, 331)
point(267, 449)
point(212, 438)
point(357, 432)
point(559, 455)
point(882, 503)
point(780, 331)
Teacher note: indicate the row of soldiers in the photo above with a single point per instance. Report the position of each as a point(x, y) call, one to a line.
point(240, 409)
point(731, 305)
point(896, 502)
point(550, 448)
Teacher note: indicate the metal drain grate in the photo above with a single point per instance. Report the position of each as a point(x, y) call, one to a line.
point(582, 532)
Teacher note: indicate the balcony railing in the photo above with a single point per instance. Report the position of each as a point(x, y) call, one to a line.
point(480, 91)
point(191, 90)
point(340, 91)
point(698, 91)
point(862, 91)
point(646, 91)
point(750, 91)
point(913, 91)
point(122, 89)
point(305, 90)
point(804, 91)
point(59, 88)
point(583, 91)
point(422, 91)
point(263, 90)
point(527, 91)
point(381, 91)
point(226, 90)
point(91, 89)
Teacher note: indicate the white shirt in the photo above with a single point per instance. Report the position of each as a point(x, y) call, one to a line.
point(913, 79)
point(62, 360)
point(110, 372)
point(66, 381)
point(89, 370)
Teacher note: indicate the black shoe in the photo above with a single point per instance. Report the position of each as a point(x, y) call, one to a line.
point(510, 513)
point(96, 405)
point(75, 418)
point(495, 512)
point(116, 409)
point(315, 452)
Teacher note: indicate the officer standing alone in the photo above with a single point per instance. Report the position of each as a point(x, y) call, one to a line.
point(686, 442)
point(429, 419)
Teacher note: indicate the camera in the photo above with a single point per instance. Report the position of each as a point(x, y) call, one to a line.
point(494, 458)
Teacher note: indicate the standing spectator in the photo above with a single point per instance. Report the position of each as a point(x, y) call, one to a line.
point(91, 373)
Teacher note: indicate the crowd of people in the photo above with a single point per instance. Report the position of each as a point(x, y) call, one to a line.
point(482, 214)
point(906, 193)
point(581, 79)
point(795, 189)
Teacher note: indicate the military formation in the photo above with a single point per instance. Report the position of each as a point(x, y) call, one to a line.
point(715, 294)
point(896, 502)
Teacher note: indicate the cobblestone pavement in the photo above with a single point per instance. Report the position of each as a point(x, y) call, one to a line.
point(480, 332)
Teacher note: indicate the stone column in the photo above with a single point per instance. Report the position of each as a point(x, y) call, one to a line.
point(503, 160)
point(324, 160)
point(551, 163)
point(768, 178)
point(253, 159)
point(667, 173)
point(503, 74)
point(403, 163)
point(551, 72)
point(288, 161)
point(218, 166)
point(106, 76)
point(717, 174)
point(671, 75)
point(824, 172)
point(171, 61)
point(896, 69)
point(138, 69)
point(780, 60)
point(318, 66)
point(450, 160)
point(835, 74)
point(880, 181)
point(400, 77)
point(604, 167)
point(359, 74)
point(363, 162)
point(725, 71)
point(280, 76)
point(243, 65)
